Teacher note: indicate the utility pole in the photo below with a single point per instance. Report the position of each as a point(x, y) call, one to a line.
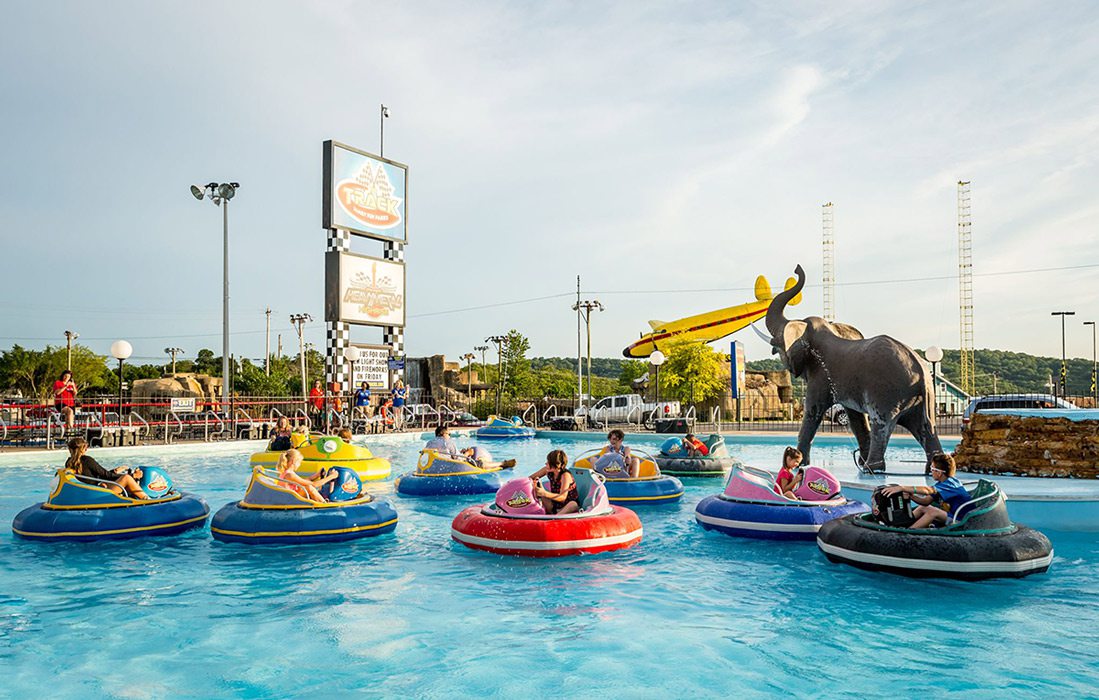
point(173, 352)
point(468, 357)
point(267, 347)
point(70, 336)
point(579, 366)
point(482, 349)
point(299, 321)
point(278, 351)
point(587, 307)
point(1064, 365)
point(501, 342)
point(1094, 367)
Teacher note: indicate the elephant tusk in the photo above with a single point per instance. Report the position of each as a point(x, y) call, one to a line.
point(765, 338)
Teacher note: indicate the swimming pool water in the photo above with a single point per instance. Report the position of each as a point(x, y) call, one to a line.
point(686, 613)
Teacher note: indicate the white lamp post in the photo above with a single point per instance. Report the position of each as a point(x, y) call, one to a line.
point(656, 358)
point(934, 355)
point(121, 350)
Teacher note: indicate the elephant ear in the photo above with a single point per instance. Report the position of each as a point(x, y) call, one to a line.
point(796, 346)
point(845, 331)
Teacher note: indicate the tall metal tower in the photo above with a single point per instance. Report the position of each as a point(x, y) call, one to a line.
point(829, 279)
point(965, 289)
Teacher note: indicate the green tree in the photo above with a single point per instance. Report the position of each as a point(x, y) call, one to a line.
point(693, 372)
point(631, 370)
point(33, 372)
point(518, 378)
point(253, 381)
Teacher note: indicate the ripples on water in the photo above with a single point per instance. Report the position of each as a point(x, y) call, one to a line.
point(686, 613)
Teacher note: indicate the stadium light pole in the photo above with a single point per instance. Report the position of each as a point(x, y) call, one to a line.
point(501, 342)
point(469, 357)
point(381, 120)
point(1064, 366)
point(70, 336)
point(1094, 367)
point(173, 352)
point(220, 194)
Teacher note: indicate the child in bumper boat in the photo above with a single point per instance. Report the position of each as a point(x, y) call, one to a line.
point(939, 501)
point(280, 440)
point(790, 476)
point(121, 481)
point(694, 446)
point(562, 496)
point(615, 445)
point(287, 467)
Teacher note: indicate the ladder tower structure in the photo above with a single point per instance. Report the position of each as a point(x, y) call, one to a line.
point(967, 371)
point(828, 242)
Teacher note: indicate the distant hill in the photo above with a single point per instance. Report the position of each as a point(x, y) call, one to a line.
point(999, 370)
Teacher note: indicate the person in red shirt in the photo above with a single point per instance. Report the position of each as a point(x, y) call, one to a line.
point(64, 397)
point(316, 403)
point(694, 446)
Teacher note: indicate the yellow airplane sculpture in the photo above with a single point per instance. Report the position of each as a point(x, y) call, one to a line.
point(710, 326)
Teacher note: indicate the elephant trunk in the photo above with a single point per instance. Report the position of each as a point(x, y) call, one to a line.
point(776, 312)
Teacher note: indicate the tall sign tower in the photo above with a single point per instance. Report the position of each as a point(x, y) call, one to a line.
point(829, 281)
point(965, 289)
point(364, 195)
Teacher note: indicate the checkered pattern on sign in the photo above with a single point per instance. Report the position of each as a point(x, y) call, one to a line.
point(338, 239)
point(394, 251)
point(337, 369)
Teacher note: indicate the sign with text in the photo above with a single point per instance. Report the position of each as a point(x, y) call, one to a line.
point(363, 290)
point(181, 405)
point(738, 367)
point(364, 193)
point(372, 367)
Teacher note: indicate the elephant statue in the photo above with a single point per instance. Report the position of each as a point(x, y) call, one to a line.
point(880, 382)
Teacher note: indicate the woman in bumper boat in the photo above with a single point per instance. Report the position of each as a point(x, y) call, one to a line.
point(121, 481)
point(562, 496)
point(939, 501)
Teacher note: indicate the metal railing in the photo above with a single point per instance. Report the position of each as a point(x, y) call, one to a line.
point(534, 408)
point(167, 424)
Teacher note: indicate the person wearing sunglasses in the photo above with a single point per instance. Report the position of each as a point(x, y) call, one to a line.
point(939, 501)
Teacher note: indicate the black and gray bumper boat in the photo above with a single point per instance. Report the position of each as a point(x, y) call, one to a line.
point(980, 542)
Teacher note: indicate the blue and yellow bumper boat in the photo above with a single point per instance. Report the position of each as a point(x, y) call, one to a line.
point(85, 510)
point(497, 428)
point(272, 511)
point(323, 451)
point(650, 487)
point(444, 475)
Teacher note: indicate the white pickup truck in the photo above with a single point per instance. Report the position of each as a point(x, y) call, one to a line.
point(627, 408)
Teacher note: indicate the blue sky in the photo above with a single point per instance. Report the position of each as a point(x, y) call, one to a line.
point(645, 146)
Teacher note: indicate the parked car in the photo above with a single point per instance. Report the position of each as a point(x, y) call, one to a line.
point(465, 420)
point(625, 408)
point(1030, 401)
point(837, 415)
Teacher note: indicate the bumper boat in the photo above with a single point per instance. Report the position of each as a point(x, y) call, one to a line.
point(673, 458)
point(749, 506)
point(649, 488)
point(323, 451)
point(83, 509)
point(979, 542)
point(496, 428)
point(516, 523)
point(272, 511)
point(444, 475)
